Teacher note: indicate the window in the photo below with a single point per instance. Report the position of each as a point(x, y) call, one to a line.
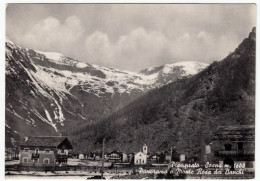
point(228, 147)
point(46, 160)
point(136, 161)
point(240, 146)
point(143, 161)
point(36, 151)
point(249, 164)
point(26, 149)
point(25, 160)
point(47, 151)
point(35, 160)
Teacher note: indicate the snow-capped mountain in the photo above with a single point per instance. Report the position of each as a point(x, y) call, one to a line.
point(171, 72)
point(47, 92)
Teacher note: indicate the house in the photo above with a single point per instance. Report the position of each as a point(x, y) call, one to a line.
point(153, 158)
point(114, 156)
point(168, 158)
point(130, 157)
point(81, 156)
point(106, 157)
point(117, 156)
point(124, 157)
point(97, 158)
point(49, 150)
point(140, 158)
point(11, 153)
point(182, 157)
point(233, 147)
point(91, 156)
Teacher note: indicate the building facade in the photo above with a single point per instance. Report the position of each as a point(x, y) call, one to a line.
point(233, 147)
point(154, 158)
point(11, 153)
point(44, 150)
point(140, 158)
point(117, 156)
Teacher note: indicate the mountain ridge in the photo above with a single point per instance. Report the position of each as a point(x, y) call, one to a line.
point(184, 113)
point(50, 90)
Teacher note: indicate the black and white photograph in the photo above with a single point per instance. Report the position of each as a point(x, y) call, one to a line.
point(130, 90)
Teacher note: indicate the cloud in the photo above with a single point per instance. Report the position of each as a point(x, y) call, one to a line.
point(203, 46)
point(132, 51)
point(132, 36)
point(141, 44)
point(50, 34)
point(141, 48)
point(98, 49)
point(135, 50)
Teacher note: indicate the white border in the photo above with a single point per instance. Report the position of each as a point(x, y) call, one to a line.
point(2, 65)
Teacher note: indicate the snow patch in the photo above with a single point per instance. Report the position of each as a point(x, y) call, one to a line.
point(51, 55)
point(81, 65)
point(50, 120)
point(7, 126)
point(189, 67)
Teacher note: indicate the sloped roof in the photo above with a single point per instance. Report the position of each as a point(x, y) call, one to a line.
point(139, 153)
point(117, 152)
point(45, 141)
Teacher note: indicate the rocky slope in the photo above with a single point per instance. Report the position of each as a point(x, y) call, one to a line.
point(48, 93)
point(185, 113)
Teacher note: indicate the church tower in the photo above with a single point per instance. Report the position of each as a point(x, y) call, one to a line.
point(145, 149)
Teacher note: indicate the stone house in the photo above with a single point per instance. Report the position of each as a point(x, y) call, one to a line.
point(49, 150)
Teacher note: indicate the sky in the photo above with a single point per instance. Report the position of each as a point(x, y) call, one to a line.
point(132, 36)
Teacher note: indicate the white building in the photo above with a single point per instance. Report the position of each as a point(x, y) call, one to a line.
point(182, 157)
point(81, 156)
point(140, 158)
point(207, 149)
point(124, 157)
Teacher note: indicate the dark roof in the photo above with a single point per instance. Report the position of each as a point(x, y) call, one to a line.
point(117, 152)
point(236, 133)
point(46, 141)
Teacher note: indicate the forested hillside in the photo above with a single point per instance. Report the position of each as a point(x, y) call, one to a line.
point(184, 113)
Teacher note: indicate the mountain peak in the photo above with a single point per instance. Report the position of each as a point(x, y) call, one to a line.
point(252, 34)
point(254, 29)
point(190, 68)
point(7, 40)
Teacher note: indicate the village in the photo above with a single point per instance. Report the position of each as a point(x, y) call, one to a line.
point(231, 153)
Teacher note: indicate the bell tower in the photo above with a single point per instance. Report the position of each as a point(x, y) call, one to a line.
point(145, 149)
